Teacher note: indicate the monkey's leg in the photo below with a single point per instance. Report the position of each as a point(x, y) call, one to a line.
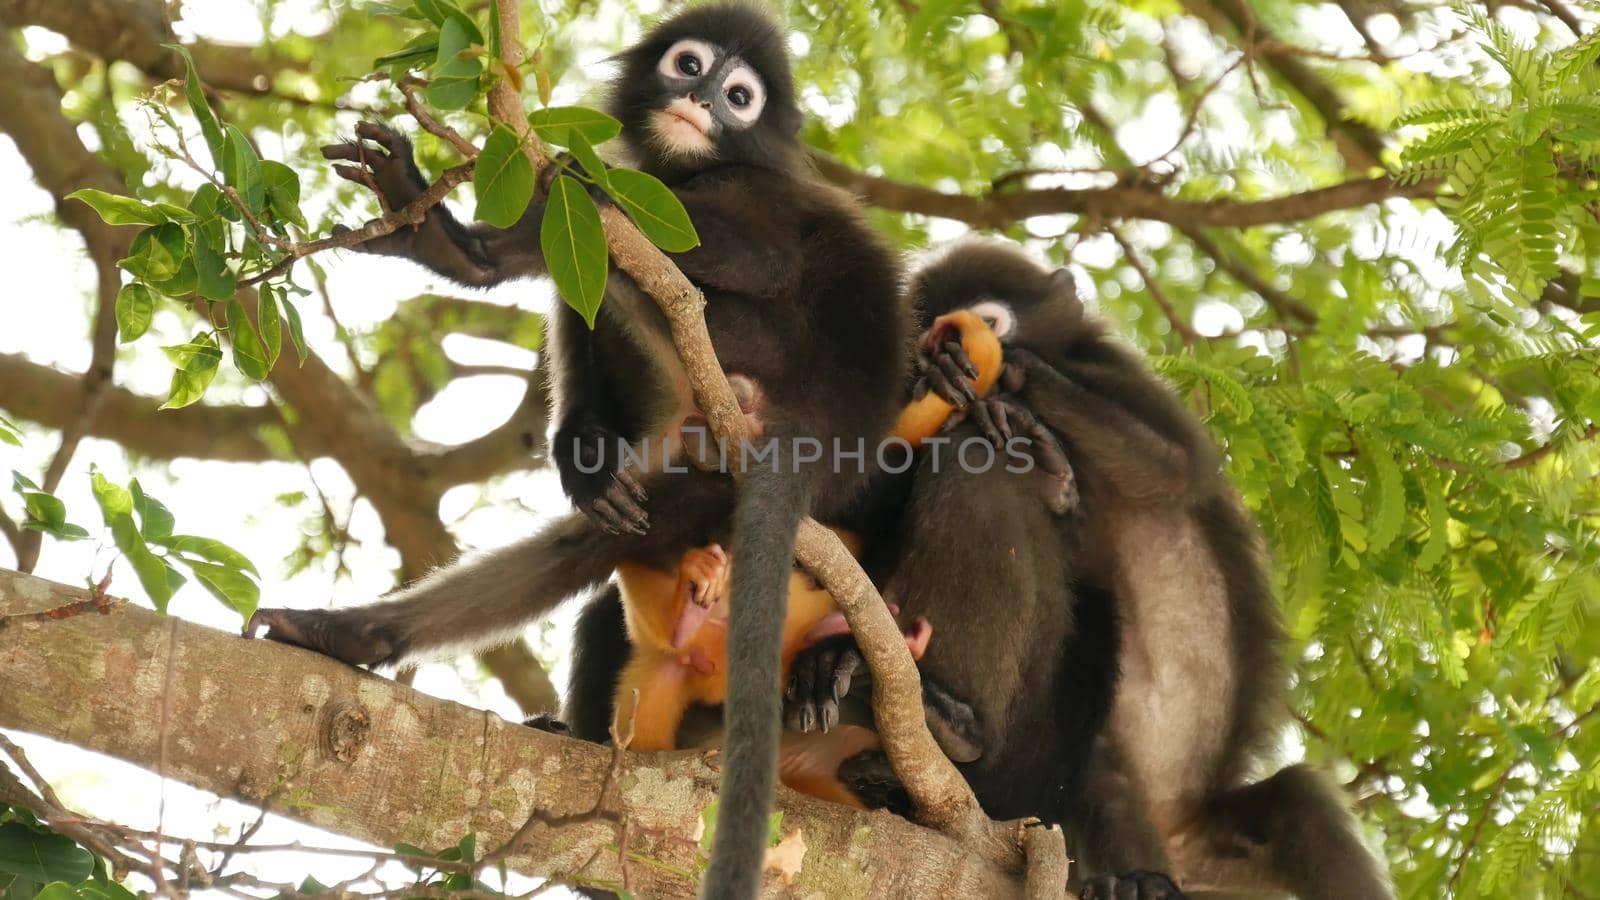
point(1296, 828)
point(1123, 855)
point(652, 716)
point(600, 650)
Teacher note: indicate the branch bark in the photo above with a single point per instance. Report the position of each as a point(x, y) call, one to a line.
point(343, 750)
point(1132, 201)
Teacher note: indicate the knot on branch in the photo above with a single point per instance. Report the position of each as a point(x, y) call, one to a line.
point(344, 728)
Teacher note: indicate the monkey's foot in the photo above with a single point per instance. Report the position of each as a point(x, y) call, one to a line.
point(703, 585)
point(549, 724)
point(1132, 886)
point(334, 634)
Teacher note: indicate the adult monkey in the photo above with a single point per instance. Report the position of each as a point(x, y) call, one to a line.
point(1200, 690)
point(802, 305)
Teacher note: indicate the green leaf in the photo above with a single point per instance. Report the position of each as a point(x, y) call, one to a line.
point(1386, 497)
point(593, 166)
point(115, 500)
point(1438, 544)
point(155, 520)
point(10, 432)
point(228, 585)
point(116, 507)
point(455, 78)
point(44, 510)
point(503, 179)
point(213, 280)
point(574, 246)
point(249, 357)
point(157, 252)
point(654, 208)
point(283, 192)
point(42, 856)
point(136, 307)
point(241, 169)
point(198, 105)
point(271, 325)
point(417, 53)
point(208, 549)
point(21, 482)
point(197, 365)
point(558, 125)
point(441, 12)
point(296, 332)
point(118, 210)
point(183, 283)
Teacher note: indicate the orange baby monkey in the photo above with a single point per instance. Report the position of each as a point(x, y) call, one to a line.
point(677, 621)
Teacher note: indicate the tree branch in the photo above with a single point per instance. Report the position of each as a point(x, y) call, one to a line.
point(1120, 201)
point(340, 749)
point(1361, 146)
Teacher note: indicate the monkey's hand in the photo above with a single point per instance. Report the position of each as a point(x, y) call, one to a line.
point(1003, 419)
point(381, 160)
point(944, 368)
point(587, 454)
point(339, 634)
point(1132, 886)
point(821, 675)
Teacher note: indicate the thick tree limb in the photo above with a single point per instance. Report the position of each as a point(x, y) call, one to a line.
point(1132, 201)
point(134, 30)
point(343, 750)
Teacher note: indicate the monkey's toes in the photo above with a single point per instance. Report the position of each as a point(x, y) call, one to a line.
point(1132, 886)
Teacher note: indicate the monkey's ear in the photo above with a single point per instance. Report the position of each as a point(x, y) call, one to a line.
point(1062, 282)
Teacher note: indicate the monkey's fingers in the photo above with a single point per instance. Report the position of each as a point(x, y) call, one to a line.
point(985, 417)
point(820, 676)
point(953, 723)
point(352, 151)
point(606, 515)
point(626, 497)
point(955, 351)
point(356, 174)
point(943, 386)
point(549, 724)
point(1131, 886)
point(393, 142)
point(957, 375)
point(1062, 494)
point(631, 484)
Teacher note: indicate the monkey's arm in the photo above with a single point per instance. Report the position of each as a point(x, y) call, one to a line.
point(1119, 423)
point(476, 255)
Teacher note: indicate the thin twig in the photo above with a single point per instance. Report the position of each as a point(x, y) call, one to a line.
point(1188, 334)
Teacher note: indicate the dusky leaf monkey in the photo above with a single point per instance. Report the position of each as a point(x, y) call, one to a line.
point(677, 620)
point(1197, 689)
point(803, 302)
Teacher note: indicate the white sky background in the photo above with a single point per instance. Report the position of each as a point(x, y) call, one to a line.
point(45, 313)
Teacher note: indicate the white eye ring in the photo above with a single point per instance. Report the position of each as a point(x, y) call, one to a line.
point(999, 316)
point(686, 53)
point(743, 81)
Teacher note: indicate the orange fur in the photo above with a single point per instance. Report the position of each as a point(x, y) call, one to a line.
point(672, 670)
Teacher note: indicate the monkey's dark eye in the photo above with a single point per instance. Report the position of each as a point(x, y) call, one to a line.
point(688, 64)
point(739, 96)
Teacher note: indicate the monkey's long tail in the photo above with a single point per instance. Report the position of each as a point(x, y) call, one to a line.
point(771, 503)
point(481, 600)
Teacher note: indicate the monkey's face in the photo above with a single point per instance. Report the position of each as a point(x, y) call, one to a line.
point(709, 86)
point(708, 93)
point(1020, 300)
